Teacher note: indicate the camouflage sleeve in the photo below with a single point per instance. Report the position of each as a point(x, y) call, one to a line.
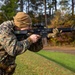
point(11, 45)
point(35, 47)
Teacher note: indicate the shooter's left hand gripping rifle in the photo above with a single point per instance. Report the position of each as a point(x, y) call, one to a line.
point(42, 31)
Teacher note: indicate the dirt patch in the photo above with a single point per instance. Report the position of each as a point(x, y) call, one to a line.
point(70, 50)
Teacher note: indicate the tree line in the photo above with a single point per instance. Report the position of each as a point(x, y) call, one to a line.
point(37, 9)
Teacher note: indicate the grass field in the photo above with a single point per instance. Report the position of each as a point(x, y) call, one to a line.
point(45, 63)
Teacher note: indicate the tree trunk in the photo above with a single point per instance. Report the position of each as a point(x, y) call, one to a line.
point(55, 5)
point(28, 6)
point(72, 7)
point(21, 5)
point(45, 39)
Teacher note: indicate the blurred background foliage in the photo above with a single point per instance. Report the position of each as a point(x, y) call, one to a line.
point(54, 13)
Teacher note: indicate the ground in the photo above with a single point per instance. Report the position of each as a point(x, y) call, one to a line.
point(64, 49)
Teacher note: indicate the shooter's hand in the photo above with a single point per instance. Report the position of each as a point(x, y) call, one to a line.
point(35, 38)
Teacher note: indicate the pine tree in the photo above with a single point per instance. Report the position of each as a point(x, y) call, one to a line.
point(10, 8)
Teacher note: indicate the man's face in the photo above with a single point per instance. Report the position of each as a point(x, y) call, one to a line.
point(26, 28)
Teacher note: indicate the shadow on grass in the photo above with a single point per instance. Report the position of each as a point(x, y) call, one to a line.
point(71, 69)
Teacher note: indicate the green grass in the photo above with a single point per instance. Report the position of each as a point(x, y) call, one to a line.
point(66, 60)
point(44, 63)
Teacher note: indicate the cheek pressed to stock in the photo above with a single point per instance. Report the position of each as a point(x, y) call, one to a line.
point(26, 28)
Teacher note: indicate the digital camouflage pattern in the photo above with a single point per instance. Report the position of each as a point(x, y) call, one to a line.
point(10, 47)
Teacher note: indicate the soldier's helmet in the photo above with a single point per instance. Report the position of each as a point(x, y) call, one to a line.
point(22, 20)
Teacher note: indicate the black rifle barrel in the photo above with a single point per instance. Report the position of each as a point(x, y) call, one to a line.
point(63, 29)
point(66, 29)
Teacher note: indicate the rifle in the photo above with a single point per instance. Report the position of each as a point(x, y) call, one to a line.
point(41, 30)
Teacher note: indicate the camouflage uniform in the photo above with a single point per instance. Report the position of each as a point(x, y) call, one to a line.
point(10, 47)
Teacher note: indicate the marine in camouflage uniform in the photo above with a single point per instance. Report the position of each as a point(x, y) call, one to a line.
point(10, 47)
